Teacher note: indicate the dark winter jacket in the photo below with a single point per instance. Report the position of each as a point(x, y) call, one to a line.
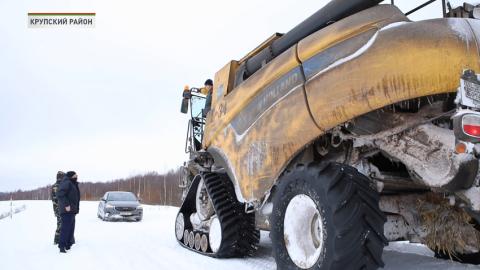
point(68, 194)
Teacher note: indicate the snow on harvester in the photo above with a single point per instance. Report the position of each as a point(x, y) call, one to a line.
point(356, 128)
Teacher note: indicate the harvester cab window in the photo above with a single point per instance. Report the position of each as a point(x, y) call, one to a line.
point(195, 100)
point(197, 106)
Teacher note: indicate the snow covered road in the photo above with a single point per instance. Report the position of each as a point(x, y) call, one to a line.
point(26, 242)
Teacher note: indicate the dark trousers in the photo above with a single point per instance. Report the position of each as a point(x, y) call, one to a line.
point(72, 236)
point(56, 240)
point(66, 230)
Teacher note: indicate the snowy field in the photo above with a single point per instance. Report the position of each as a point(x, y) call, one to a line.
point(26, 242)
point(7, 209)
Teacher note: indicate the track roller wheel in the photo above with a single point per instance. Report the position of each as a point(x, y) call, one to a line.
point(185, 237)
point(191, 239)
point(197, 241)
point(204, 243)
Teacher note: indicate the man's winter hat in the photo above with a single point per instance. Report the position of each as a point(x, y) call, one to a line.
point(209, 82)
point(72, 174)
point(60, 175)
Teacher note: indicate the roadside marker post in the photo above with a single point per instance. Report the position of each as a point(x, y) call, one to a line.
point(11, 207)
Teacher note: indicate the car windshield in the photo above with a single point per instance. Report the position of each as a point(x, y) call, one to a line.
point(121, 197)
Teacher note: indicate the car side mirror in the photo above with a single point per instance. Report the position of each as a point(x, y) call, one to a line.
point(139, 200)
point(103, 200)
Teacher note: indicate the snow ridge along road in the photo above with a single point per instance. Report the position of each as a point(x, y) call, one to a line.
point(7, 211)
point(26, 242)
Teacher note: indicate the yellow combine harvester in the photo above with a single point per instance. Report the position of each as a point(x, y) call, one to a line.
point(356, 128)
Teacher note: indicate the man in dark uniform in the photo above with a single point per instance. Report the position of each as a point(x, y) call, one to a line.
point(68, 196)
point(60, 176)
point(72, 238)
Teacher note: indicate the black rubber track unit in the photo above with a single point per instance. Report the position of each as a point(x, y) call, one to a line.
point(351, 215)
point(239, 236)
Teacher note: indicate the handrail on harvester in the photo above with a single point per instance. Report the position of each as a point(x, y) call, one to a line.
point(444, 7)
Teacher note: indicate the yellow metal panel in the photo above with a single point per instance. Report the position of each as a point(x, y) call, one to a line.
point(258, 157)
point(223, 112)
point(366, 20)
point(404, 62)
point(223, 81)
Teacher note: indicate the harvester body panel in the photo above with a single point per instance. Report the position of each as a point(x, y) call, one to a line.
point(364, 62)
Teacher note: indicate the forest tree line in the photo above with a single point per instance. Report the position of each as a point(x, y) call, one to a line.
point(151, 188)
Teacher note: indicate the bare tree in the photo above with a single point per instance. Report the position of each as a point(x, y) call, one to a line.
point(157, 189)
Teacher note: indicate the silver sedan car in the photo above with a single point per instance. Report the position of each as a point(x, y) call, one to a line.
point(120, 205)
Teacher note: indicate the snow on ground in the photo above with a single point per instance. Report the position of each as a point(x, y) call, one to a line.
point(26, 242)
point(5, 206)
point(7, 209)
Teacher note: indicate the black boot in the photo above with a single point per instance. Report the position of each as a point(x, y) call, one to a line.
point(62, 250)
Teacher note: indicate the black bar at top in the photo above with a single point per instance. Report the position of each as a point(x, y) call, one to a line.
point(420, 7)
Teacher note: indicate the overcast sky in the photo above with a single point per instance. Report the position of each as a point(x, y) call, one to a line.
point(105, 101)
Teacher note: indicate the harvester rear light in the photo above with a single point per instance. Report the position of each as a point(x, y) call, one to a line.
point(471, 125)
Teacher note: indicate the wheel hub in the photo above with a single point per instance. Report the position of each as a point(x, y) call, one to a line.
point(304, 232)
point(179, 226)
point(215, 234)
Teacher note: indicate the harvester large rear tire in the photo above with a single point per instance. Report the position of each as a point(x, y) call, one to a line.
point(327, 217)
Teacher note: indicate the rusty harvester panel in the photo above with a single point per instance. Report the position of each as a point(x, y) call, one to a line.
point(364, 62)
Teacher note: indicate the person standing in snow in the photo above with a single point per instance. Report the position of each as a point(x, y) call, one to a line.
point(68, 196)
point(53, 194)
point(72, 238)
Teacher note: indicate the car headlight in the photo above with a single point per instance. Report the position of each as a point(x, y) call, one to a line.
point(139, 207)
point(109, 206)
